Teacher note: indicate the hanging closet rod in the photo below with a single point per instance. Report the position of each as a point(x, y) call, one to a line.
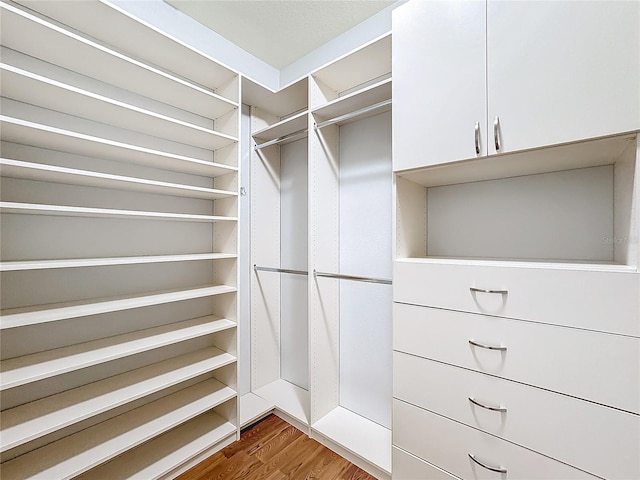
point(288, 136)
point(352, 277)
point(280, 270)
point(356, 113)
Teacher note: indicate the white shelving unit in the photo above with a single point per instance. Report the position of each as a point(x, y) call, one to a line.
point(279, 376)
point(120, 176)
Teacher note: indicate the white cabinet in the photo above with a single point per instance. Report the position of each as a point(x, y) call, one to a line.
point(522, 70)
point(439, 89)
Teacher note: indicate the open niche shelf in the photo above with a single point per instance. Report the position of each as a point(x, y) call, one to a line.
point(573, 205)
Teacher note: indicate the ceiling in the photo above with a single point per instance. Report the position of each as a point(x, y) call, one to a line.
point(280, 32)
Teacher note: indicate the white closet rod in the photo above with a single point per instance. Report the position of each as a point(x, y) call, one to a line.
point(289, 136)
point(354, 114)
point(279, 270)
point(352, 277)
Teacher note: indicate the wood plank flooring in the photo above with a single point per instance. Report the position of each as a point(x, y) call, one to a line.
point(274, 450)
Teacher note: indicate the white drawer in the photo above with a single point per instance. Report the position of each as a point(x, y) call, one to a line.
point(600, 440)
point(447, 444)
point(600, 367)
point(595, 300)
point(410, 467)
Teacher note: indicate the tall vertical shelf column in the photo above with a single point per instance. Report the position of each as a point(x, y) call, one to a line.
point(350, 256)
point(119, 246)
point(279, 318)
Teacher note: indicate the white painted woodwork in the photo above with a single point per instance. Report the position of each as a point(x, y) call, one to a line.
point(99, 262)
point(603, 441)
point(362, 437)
point(26, 132)
point(365, 308)
point(409, 467)
point(377, 93)
point(572, 361)
point(294, 325)
point(575, 76)
point(287, 398)
point(30, 421)
point(284, 127)
point(120, 183)
point(449, 443)
point(475, 219)
point(84, 450)
point(156, 459)
point(593, 297)
point(19, 371)
point(439, 88)
point(253, 408)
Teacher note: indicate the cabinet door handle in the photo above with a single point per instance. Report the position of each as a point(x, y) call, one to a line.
point(488, 407)
point(488, 467)
point(485, 290)
point(488, 347)
point(477, 138)
point(496, 135)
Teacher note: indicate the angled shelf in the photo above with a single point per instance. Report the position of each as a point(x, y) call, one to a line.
point(253, 408)
point(20, 317)
point(50, 173)
point(70, 211)
point(30, 133)
point(38, 366)
point(28, 422)
point(28, 87)
point(282, 131)
point(78, 453)
point(359, 435)
point(15, 266)
point(288, 398)
point(157, 458)
point(26, 31)
point(371, 100)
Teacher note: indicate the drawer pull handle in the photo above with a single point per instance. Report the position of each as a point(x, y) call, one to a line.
point(496, 135)
point(477, 138)
point(488, 347)
point(488, 467)
point(488, 407)
point(484, 290)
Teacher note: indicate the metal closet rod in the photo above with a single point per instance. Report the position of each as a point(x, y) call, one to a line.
point(280, 270)
point(352, 277)
point(288, 136)
point(353, 114)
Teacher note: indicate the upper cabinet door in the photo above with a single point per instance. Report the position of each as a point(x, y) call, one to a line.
point(561, 71)
point(439, 90)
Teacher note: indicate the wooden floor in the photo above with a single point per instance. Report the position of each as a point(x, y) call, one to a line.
point(274, 450)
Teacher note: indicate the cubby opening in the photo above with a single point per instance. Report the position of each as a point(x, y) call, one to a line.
point(573, 204)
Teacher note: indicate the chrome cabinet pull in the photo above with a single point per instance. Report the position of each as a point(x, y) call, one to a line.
point(488, 467)
point(484, 290)
point(496, 137)
point(488, 407)
point(477, 138)
point(488, 347)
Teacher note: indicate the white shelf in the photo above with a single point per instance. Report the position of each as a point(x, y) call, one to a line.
point(158, 458)
point(35, 89)
point(288, 126)
point(252, 408)
point(359, 67)
point(38, 366)
point(55, 174)
point(30, 133)
point(26, 32)
point(70, 211)
point(103, 262)
point(288, 398)
point(591, 153)
point(360, 436)
point(95, 445)
point(371, 95)
point(559, 265)
point(20, 317)
point(29, 421)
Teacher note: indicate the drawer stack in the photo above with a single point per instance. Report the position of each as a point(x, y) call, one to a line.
point(515, 372)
